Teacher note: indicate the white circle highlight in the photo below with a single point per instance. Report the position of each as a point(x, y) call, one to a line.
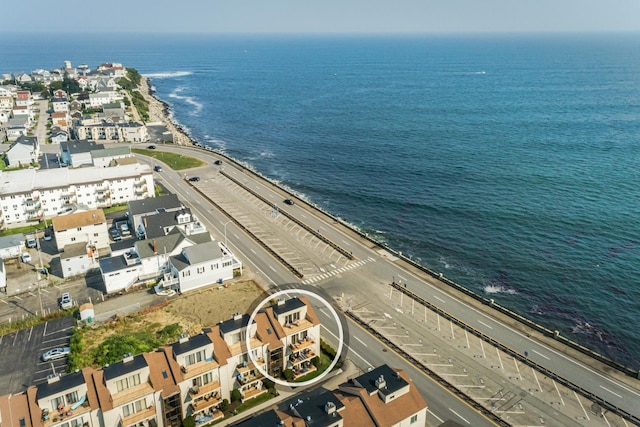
point(340, 338)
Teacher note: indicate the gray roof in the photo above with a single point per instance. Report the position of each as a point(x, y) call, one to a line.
point(114, 263)
point(234, 324)
point(168, 243)
point(393, 382)
point(109, 152)
point(74, 147)
point(11, 241)
point(122, 368)
point(192, 343)
point(202, 252)
point(66, 382)
point(29, 141)
point(288, 305)
point(314, 408)
point(74, 250)
point(154, 225)
point(145, 206)
point(122, 244)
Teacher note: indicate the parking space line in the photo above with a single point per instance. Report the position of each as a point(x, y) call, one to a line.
point(45, 329)
point(15, 337)
point(30, 332)
point(3, 300)
point(18, 298)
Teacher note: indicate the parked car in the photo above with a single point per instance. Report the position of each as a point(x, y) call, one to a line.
point(151, 147)
point(48, 235)
point(158, 168)
point(194, 179)
point(115, 235)
point(218, 162)
point(56, 353)
point(289, 201)
point(66, 301)
point(124, 229)
point(31, 241)
point(26, 257)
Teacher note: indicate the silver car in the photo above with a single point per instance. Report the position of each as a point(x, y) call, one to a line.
point(66, 301)
point(56, 353)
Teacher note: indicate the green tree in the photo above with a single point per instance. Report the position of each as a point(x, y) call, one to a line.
point(189, 422)
point(288, 374)
point(235, 395)
point(224, 405)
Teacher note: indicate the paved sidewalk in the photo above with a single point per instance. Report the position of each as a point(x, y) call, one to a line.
point(348, 370)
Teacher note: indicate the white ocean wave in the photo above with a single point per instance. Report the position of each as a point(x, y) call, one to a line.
point(188, 99)
point(168, 74)
point(495, 289)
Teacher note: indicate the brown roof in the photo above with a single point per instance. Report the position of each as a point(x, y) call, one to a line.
point(311, 314)
point(158, 370)
point(277, 327)
point(12, 408)
point(262, 323)
point(33, 409)
point(102, 392)
point(92, 395)
point(354, 412)
point(173, 364)
point(221, 350)
point(289, 420)
point(79, 219)
point(58, 115)
point(391, 413)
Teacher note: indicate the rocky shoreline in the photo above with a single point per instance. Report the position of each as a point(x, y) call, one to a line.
point(159, 112)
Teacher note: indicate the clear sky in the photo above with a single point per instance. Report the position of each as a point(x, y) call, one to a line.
point(323, 16)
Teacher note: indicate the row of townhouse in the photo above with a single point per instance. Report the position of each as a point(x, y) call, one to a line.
point(32, 194)
point(104, 130)
point(188, 378)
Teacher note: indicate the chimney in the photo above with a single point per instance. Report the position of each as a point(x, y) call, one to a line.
point(155, 249)
point(381, 383)
point(237, 316)
point(330, 408)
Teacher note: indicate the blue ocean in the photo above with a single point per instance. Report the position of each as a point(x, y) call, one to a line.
point(510, 163)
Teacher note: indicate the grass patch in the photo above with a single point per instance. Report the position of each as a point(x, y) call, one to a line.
point(24, 230)
point(253, 402)
point(174, 161)
point(115, 208)
point(325, 361)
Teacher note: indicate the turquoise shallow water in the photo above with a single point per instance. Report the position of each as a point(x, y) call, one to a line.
point(509, 163)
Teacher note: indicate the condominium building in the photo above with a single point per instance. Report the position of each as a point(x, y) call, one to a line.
point(161, 388)
point(31, 194)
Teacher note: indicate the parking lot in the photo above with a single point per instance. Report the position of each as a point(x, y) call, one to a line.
point(23, 350)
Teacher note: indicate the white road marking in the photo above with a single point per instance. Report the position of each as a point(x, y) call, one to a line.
point(460, 416)
point(30, 332)
point(438, 298)
point(540, 354)
point(271, 267)
point(361, 342)
point(254, 252)
point(482, 323)
point(440, 420)
point(350, 349)
point(615, 394)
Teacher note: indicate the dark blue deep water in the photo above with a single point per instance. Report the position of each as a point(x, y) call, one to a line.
point(509, 163)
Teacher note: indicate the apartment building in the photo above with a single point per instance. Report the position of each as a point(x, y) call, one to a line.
point(160, 388)
point(31, 194)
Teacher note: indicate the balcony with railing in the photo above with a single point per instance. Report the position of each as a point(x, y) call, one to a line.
point(208, 402)
point(65, 413)
point(140, 189)
point(199, 391)
point(297, 326)
point(199, 368)
point(131, 394)
point(140, 416)
point(301, 344)
point(252, 391)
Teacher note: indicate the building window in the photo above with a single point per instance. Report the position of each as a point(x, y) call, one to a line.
point(414, 419)
point(72, 397)
point(128, 382)
point(194, 358)
point(95, 234)
point(132, 408)
point(57, 403)
point(186, 273)
point(79, 228)
point(73, 239)
point(293, 317)
point(200, 270)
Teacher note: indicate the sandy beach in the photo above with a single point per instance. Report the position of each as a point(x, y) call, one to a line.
point(158, 112)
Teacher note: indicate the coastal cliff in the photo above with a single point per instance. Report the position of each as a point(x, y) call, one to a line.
point(159, 112)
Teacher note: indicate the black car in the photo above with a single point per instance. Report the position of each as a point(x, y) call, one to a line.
point(218, 162)
point(194, 179)
point(157, 168)
point(289, 201)
point(151, 147)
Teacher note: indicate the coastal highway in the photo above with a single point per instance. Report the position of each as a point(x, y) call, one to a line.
point(619, 391)
point(442, 404)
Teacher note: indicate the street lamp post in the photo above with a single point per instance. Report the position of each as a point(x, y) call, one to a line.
point(225, 233)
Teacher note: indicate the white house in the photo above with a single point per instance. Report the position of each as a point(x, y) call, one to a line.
point(141, 208)
point(102, 158)
point(201, 265)
point(24, 151)
point(77, 259)
point(78, 153)
point(11, 246)
point(60, 105)
point(88, 227)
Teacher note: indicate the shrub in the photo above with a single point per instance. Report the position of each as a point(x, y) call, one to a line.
point(224, 405)
point(235, 395)
point(316, 361)
point(268, 383)
point(189, 422)
point(288, 374)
